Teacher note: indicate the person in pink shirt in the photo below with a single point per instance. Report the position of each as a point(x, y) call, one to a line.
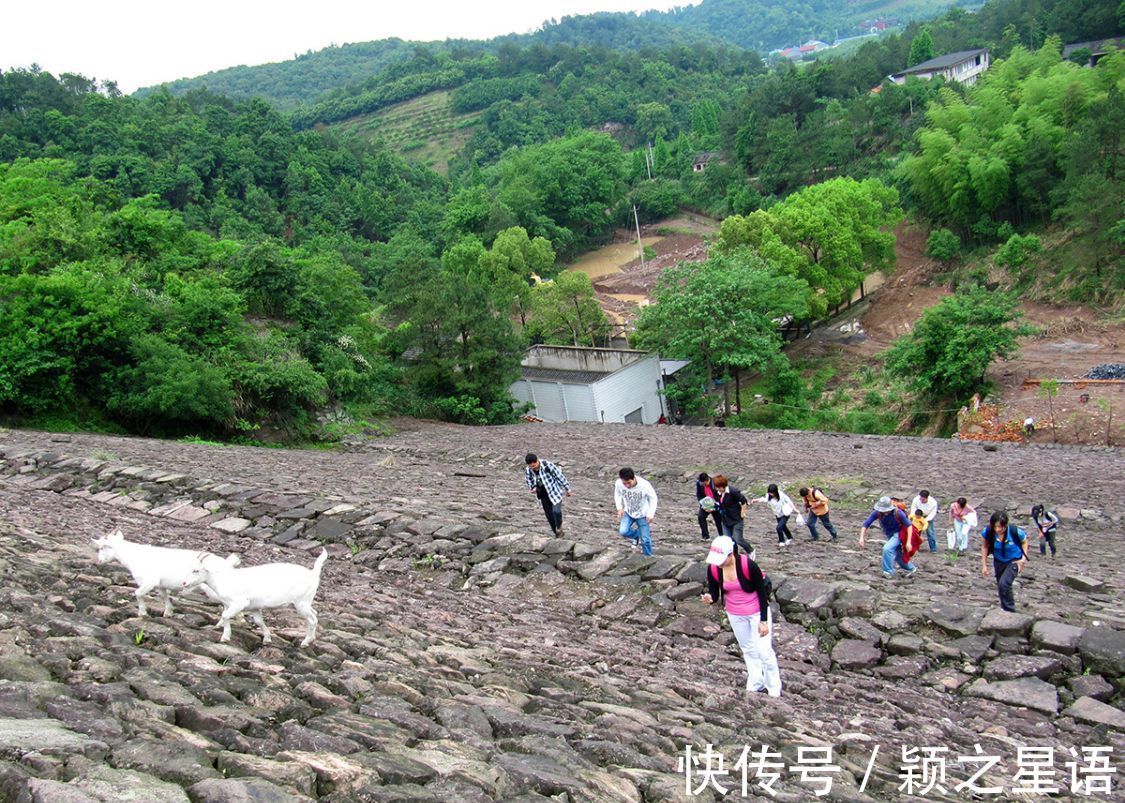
point(964, 519)
point(736, 580)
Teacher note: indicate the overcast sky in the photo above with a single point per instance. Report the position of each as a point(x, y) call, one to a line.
point(142, 43)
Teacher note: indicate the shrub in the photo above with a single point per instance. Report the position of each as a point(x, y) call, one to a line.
point(943, 245)
point(1017, 250)
point(170, 387)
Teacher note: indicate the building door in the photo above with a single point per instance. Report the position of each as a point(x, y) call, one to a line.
point(636, 417)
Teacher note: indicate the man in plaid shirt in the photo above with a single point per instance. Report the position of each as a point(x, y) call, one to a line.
point(546, 480)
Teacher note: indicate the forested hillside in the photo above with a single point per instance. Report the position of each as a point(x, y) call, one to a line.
point(759, 25)
point(285, 84)
point(205, 265)
point(768, 24)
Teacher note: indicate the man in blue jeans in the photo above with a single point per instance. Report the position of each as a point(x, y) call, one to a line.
point(636, 506)
point(1007, 544)
point(892, 519)
point(929, 507)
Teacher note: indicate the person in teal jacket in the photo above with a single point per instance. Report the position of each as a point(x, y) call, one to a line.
point(1008, 546)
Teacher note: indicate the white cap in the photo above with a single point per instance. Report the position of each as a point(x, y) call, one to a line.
point(721, 549)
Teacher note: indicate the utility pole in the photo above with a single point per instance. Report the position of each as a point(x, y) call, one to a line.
point(648, 160)
point(640, 245)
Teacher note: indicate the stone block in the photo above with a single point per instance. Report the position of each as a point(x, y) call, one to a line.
point(855, 654)
point(1056, 636)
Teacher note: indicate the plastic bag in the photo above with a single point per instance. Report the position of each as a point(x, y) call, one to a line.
point(801, 519)
point(951, 538)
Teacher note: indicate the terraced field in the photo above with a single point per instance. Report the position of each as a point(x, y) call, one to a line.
point(425, 129)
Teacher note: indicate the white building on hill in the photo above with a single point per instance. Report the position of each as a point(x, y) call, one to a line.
point(964, 66)
point(568, 383)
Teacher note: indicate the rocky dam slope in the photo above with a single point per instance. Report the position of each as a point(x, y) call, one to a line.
point(465, 655)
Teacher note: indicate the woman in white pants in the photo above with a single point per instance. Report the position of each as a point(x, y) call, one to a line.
point(736, 579)
point(964, 520)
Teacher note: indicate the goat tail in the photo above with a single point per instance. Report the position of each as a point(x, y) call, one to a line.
point(320, 562)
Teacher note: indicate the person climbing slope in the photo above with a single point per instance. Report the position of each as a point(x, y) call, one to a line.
point(734, 579)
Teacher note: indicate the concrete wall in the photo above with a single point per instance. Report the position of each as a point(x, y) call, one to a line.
point(636, 386)
point(563, 358)
point(608, 400)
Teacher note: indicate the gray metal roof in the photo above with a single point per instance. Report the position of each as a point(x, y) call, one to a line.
point(942, 62)
point(559, 375)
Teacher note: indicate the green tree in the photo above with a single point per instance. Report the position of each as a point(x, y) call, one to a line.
point(722, 314)
point(467, 354)
point(943, 245)
point(653, 120)
point(831, 235)
point(64, 335)
point(266, 276)
point(843, 226)
point(566, 311)
point(921, 48)
point(999, 152)
point(947, 355)
point(511, 264)
point(564, 190)
point(656, 199)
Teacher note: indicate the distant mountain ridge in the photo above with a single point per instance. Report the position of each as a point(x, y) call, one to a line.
point(300, 79)
point(760, 25)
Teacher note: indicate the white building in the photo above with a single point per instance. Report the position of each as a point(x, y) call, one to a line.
point(964, 67)
point(568, 383)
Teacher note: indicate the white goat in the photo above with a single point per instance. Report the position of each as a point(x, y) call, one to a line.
point(272, 585)
point(151, 566)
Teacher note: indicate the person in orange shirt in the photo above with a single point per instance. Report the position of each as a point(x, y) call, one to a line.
point(816, 507)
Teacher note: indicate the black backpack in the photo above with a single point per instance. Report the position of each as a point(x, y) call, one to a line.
point(990, 539)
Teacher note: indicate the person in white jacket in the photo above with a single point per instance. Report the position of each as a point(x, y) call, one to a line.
point(636, 507)
point(782, 507)
point(925, 502)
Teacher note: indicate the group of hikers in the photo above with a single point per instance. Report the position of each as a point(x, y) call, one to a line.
point(735, 580)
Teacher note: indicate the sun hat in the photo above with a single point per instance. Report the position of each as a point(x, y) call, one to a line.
point(884, 505)
point(721, 549)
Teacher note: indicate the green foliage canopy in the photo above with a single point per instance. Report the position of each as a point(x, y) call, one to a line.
point(947, 355)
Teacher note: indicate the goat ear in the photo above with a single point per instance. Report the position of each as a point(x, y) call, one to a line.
point(98, 542)
point(117, 535)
